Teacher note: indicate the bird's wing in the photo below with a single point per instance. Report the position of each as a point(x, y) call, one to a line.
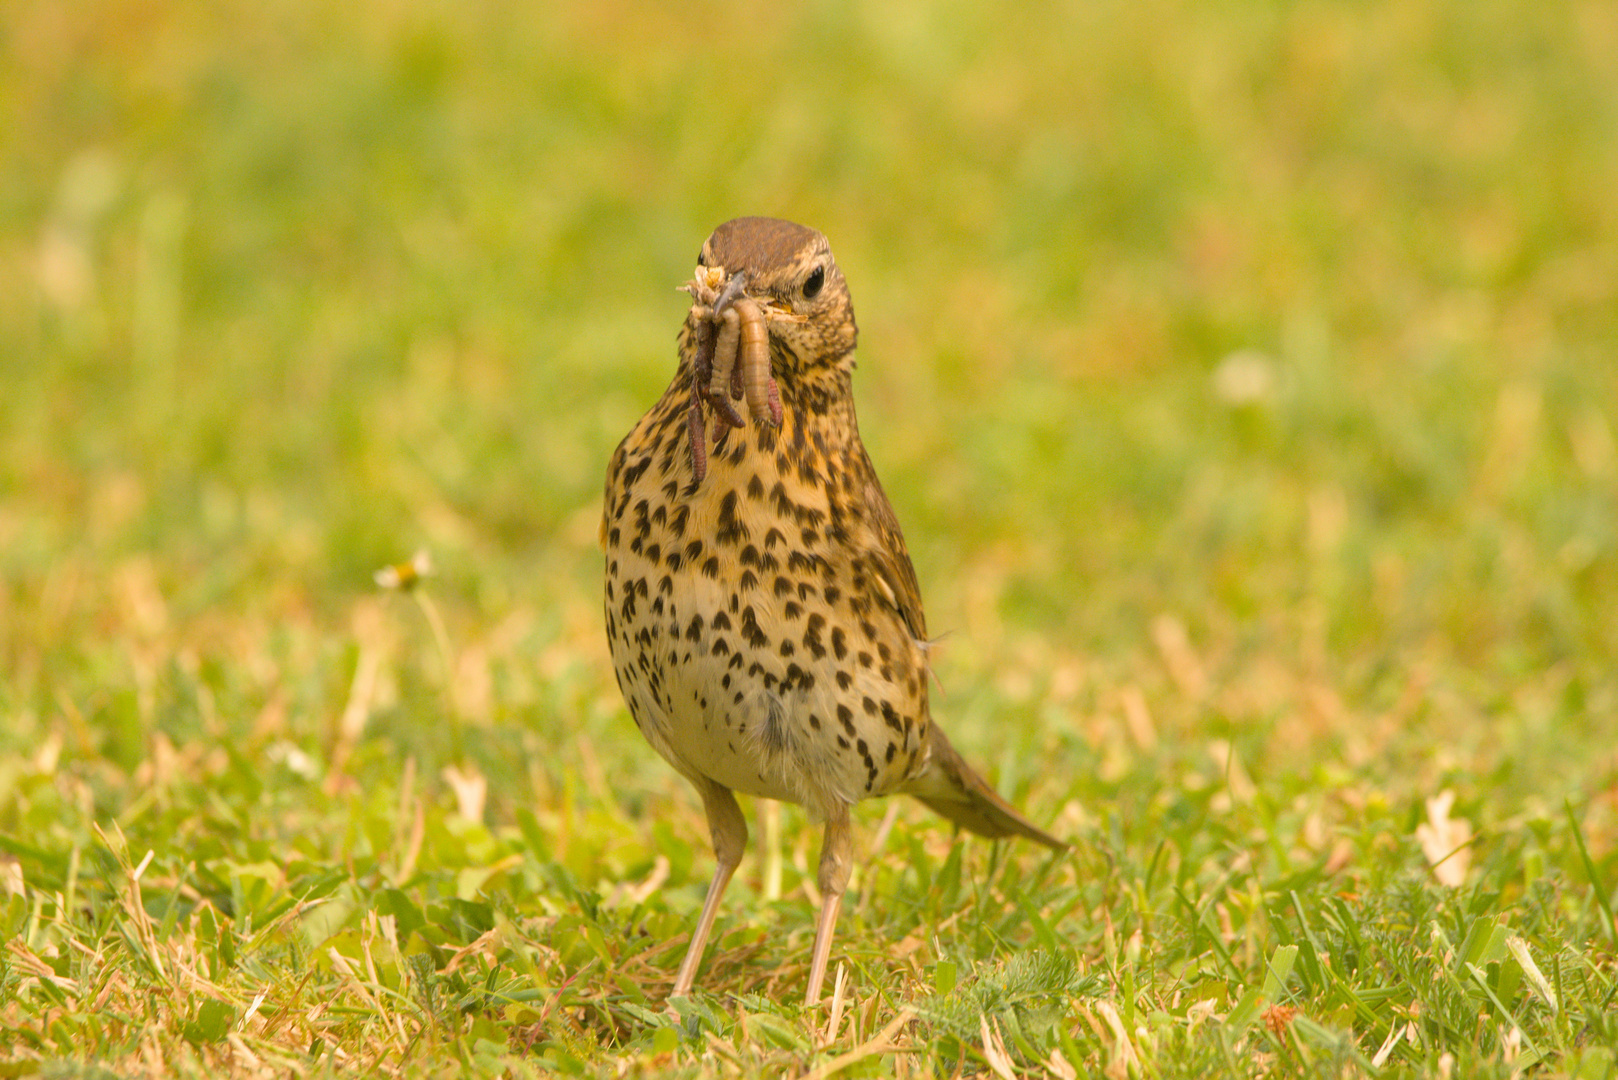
point(891, 559)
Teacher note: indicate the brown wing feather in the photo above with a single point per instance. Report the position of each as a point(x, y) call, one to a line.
point(952, 788)
point(891, 558)
point(948, 786)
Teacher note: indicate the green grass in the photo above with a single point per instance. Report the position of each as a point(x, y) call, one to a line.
point(1242, 373)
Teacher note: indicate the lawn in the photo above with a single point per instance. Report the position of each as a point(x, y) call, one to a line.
point(1243, 375)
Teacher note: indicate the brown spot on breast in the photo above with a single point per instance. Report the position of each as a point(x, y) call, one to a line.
point(732, 529)
point(755, 635)
point(811, 636)
point(632, 473)
point(780, 501)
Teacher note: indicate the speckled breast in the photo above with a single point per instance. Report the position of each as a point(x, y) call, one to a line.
point(740, 642)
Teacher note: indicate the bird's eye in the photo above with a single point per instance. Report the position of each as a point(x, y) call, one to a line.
point(812, 283)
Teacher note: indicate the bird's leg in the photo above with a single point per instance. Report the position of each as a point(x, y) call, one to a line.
point(836, 861)
point(729, 831)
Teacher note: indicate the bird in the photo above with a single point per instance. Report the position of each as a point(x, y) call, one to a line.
point(763, 616)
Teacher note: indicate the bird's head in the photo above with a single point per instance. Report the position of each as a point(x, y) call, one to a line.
point(791, 275)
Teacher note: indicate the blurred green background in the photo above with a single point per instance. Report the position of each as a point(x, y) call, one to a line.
point(1258, 355)
point(1242, 372)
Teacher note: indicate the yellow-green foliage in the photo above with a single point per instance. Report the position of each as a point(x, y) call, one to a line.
point(1244, 375)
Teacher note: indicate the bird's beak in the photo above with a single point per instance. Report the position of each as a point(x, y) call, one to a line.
point(711, 286)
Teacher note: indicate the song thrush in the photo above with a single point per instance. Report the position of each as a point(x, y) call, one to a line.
point(763, 614)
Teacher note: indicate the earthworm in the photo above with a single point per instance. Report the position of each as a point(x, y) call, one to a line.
point(727, 317)
point(749, 372)
point(732, 354)
point(736, 382)
point(699, 439)
point(703, 360)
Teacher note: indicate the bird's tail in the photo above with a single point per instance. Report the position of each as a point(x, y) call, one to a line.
point(953, 788)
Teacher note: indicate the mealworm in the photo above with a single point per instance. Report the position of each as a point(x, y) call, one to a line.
point(753, 358)
point(726, 344)
point(731, 361)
